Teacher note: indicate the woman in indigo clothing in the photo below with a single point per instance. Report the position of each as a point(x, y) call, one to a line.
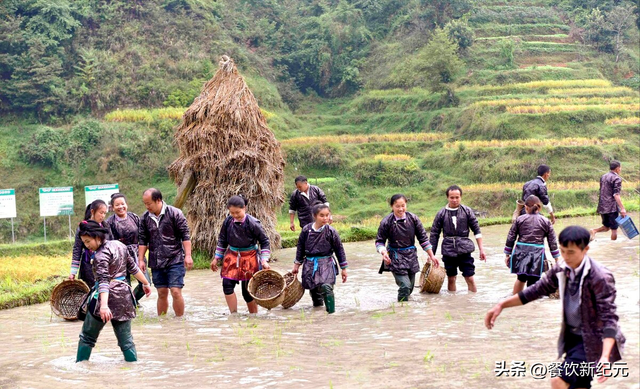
point(81, 256)
point(111, 298)
point(526, 256)
point(318, 242)
point(124, 228)
point(237, 252)
point(400, 229)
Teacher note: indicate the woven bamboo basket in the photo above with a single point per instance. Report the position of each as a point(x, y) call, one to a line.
point(267, 288)
point(66, 298)
point(293, 292)
point(431, 278)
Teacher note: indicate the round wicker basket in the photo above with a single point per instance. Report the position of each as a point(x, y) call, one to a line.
point(293, 292)
point(267, 287)
point(431, 278)
point(66, 298)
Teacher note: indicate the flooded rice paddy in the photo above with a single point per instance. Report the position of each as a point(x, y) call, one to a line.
point(433, 341)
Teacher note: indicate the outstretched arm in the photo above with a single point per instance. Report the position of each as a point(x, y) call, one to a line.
point(492, 315)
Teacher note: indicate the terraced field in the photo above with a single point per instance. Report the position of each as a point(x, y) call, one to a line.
point(548, 104)
point(530, 95)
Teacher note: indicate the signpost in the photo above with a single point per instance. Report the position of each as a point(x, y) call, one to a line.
point(56, 202)
point(101, 192)
point(8, 208)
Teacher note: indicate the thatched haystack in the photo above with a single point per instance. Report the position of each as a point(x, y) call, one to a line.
point(226, 149)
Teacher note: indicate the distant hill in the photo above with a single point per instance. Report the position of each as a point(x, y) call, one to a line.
point(91, 91)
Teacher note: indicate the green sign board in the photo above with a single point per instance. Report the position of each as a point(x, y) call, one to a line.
point(7, 203)
point(99, 192)
point(56, 201)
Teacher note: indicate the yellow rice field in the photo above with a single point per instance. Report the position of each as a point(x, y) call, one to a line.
point(149, 115)
point(630, 121)
point(520, 109)
point(557, 101)
point(144, 115)
point(552, 185)
point(533, 143)
point(617, 90)
point(392, 157)
point(414, 137)
point(33, 268)
point(544, 84)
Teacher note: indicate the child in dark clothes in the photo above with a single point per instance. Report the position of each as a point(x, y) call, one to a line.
point(317, 244)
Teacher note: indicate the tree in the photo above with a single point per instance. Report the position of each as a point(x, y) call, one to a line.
point(438, 61)
point(32, 59)
point(460, 32)
point(618, 20)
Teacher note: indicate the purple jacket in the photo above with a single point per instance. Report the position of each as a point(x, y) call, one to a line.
point(165, 238)
point(598, 308)
point(532, 228)
point(610, 185)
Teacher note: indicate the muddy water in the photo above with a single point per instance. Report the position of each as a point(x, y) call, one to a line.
point(433, 341)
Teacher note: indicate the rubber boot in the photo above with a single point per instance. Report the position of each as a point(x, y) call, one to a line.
point(316, 297)
point(84, 352)
point(138, 292)
point(130, 355)
point(329, 299)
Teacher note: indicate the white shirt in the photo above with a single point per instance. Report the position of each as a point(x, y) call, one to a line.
point(157, 218)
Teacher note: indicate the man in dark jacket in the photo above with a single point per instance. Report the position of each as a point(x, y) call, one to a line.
point(164, 231)
point(455, 221)
point(538, 187)
point(590, 332)
point(610, 201)
point(302, 201)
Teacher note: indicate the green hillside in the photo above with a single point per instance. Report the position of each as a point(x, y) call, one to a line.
point(369, 98)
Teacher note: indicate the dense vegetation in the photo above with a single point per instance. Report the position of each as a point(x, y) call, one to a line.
point(90, 92)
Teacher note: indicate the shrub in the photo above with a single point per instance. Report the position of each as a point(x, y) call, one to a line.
point(44, 148)
point(317, 155)
point(86, 135)
point(388, 173)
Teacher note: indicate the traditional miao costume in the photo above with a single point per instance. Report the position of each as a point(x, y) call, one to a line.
point(455, 225)
point(400, 236)
point(316, 249)
point(528, 254)
point(81, 258)
point(111, 263)
point(125, 230)
point(238, 252)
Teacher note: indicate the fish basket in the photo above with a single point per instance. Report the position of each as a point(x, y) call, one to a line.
point(66, 298)
point(293, 292)
point(267, 288)
point(431, 278)
point(627, 226)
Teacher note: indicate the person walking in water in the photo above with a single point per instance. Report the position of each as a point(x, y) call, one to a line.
point(538, 187)
point(399, 231)
point(610, 203)
point(124, 227)
point(111, 299)
point(454, 222)
point(302, 201)
point(525, 245)
point(164, 232)
point(238, 254)
point(589, 332)
point(81, 255)
point(317, 244)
